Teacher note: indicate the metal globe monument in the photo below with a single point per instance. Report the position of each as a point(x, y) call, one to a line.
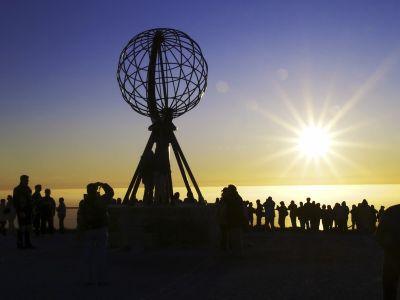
point(162, 74)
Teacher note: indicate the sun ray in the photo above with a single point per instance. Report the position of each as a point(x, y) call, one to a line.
point(355, 145)
point(367, 86)
point(290, 166)
point(279, 154)
point(339, 132)
point(274, 118)
point(331, 167)
point(327, 101)
point(289, 105)
point(348, 161)
point(306, 165)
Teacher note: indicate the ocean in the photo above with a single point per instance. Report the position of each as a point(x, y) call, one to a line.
point(376, 194)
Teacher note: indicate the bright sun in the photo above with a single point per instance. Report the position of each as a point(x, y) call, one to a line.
point(314, 142)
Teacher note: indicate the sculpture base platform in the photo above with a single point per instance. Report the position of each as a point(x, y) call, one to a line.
point(159, 226)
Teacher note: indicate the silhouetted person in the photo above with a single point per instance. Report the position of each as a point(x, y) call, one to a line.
point(11, 214)
point(269, 207)
point(329, 217)
point(301, 217)
point(61, 213)
point(148, 176)
point(388, 235)
point(259, 212)
point(222, 218)
point(293, 213)
point(345, 216)
point(93, 223)
point(373, 217)
point(176, 199)
point(3, 216)
point(364, 217)
point(236, 219)
point(324, 217)
point(282, 210)
point(189, 198)
point(48, 210)
point(307, 213)
point(314, 216)
point(37, 203)
point(318, 216)
point(119, 201)
point(337, 218)
point(22, 200)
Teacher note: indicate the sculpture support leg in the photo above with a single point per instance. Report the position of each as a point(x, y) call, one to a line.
point(163, 182)
point(180, 165)
point(175, 141)
point(137, 176)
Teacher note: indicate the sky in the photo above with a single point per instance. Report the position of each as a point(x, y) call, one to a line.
point(276, 68)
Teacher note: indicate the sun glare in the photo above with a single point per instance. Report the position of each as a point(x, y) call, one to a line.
point(314, 142)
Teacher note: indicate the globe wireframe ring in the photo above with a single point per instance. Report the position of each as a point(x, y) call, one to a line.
point(180, 72)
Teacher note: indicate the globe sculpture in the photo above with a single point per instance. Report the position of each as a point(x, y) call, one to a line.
point(162, 74)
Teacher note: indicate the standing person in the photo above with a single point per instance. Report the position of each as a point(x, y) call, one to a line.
point(293, 213)
point(93, 224)
point(345, 212)
point(329, 217)
point(148, 176)
point(48, 211)
point(61, 213)
point(236, 219)
point(337, 215)
point(307, 213)
point(3, 216)
point(373, 217)
point(22, 199)
point(11, 214)
point(324, 217)
point(282, 210)
point(388, 235)
point(259, 212)
point(222, 222)
point(37, 202)
point(313, 216)
point(380, 213)
point(318, 216)
point(269, 207)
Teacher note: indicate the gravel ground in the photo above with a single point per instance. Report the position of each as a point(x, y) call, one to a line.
point(279, 265)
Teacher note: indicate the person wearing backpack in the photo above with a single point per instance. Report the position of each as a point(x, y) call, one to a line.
point(93, 224)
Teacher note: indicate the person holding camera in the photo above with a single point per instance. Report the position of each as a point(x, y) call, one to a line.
point(93, 225)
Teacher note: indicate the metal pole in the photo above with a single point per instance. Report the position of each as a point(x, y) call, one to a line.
point(181, 168)
point(137, 176)
point(201, 199)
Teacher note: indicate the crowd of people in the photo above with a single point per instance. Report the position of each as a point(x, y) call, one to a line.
point(313, 216)
point(31, 210)
point(233, 214)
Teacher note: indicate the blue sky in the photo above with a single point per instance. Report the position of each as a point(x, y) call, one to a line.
point(63, 118)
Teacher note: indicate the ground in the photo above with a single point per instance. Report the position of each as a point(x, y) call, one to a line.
point(279, 265)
